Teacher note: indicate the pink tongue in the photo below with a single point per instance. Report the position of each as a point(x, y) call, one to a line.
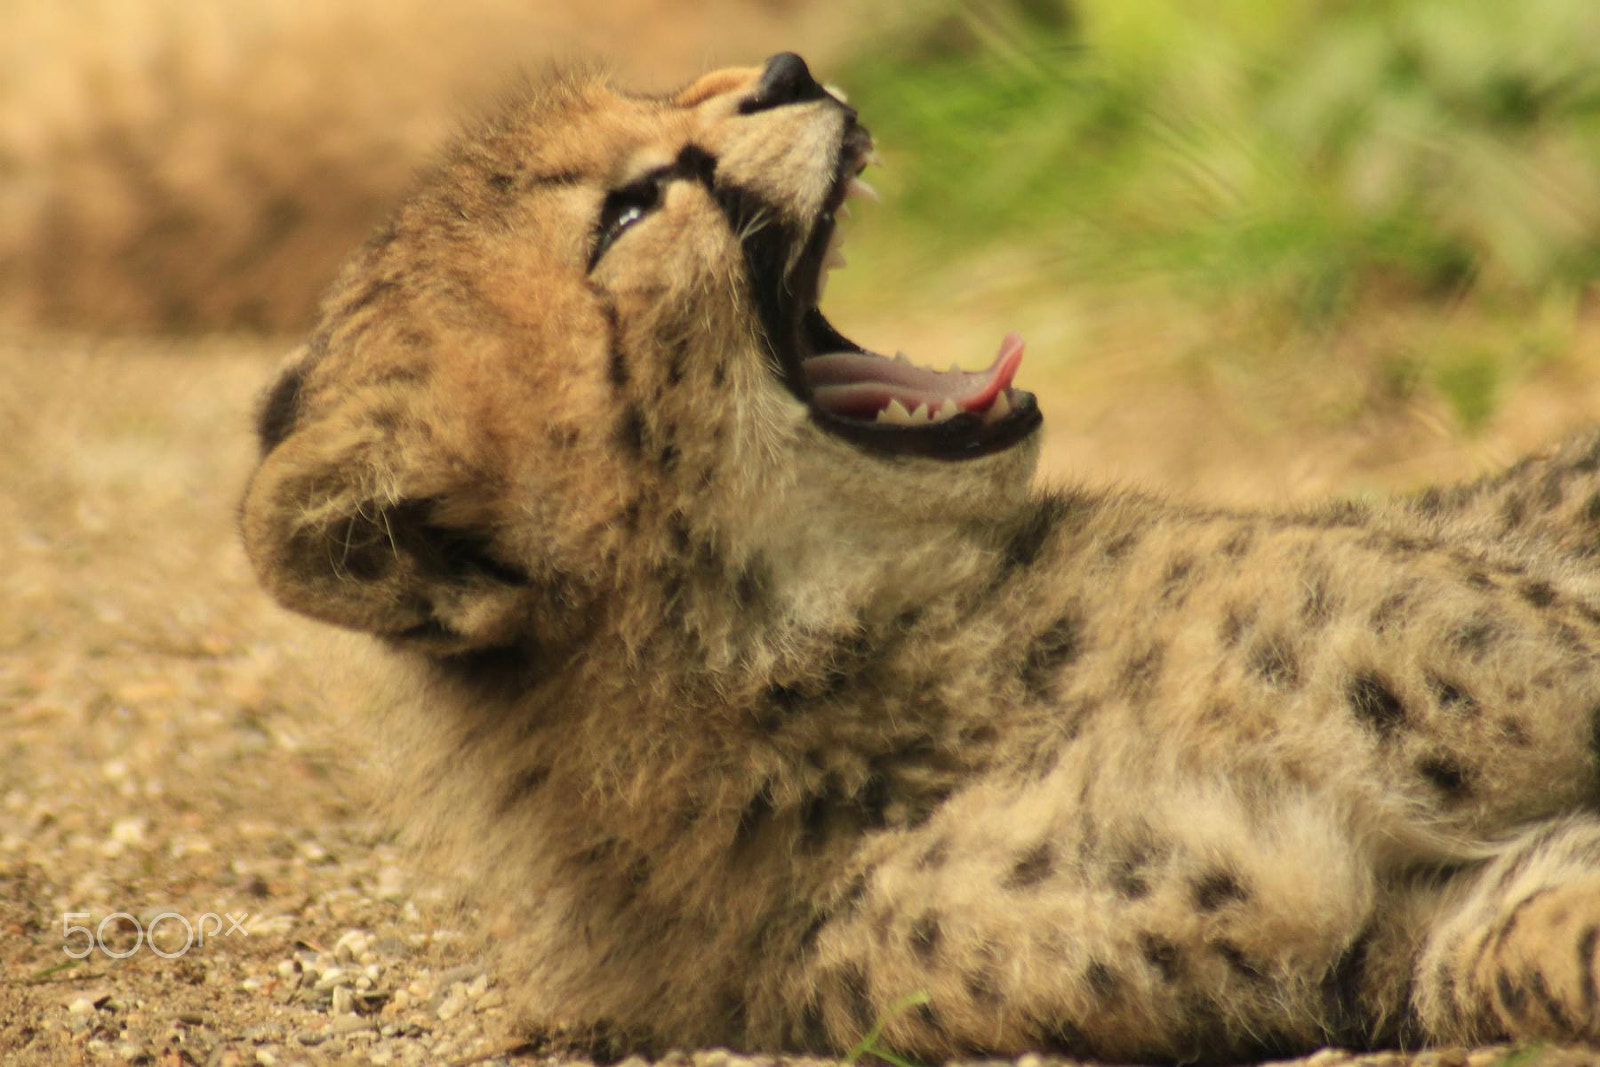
point(862, 384)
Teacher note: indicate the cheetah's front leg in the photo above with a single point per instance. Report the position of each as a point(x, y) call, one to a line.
point(1097, 922)
point(1514, 954)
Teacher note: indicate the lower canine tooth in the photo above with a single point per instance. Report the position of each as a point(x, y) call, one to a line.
point(834, 258)
point(1001, 406)
point(895, 412)
point(946, 410)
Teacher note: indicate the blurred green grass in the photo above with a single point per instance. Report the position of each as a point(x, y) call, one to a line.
point(1385, 196)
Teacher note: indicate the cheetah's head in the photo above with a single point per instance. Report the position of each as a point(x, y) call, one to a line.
point(588, 348)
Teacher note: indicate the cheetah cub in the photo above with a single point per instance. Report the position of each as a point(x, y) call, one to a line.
point(755, 688)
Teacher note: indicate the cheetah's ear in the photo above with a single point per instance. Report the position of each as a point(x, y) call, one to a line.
point(341, 531)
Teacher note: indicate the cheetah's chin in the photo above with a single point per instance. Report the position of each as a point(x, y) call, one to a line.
point(883, 404)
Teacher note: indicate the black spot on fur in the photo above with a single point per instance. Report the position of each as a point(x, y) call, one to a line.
point(750, 588)
point(677, 360)
point(501, 183)
point(1539, 594)
point(1475, 636)
point(1032, 867)
point(1065, 1038)
point(1447, 775)
point(1512, 512)
point(1551, 492)
point(1238, 962)
point(1375, 704)
point(935, 855)
point(873, 802)
point(1512, 997)
point(1217, 889)
point(1129, 871)
point(1162, 955)
point(1102, 979)
point(1591, 509)
point(1238, 542)
point(1389, 615)
point(1318, 606)
point(1143, 671)
point(558, 177)
point(1048, 654)
point(1341, 995)
point(630, 431)
point(1514, 732)
point(522, 786)
point(1586, 964)
point(280, 409)
point(1175, 579)
point(1028, 539)
point(784, 700)
point(857, 997)
point(1235, 621)
point(370, 294)
point(1452, 697)
point(982, 988)
point(1552, 1007)
point(926, 933)
point(1120, 546)
point(813, 1034)
point(757, 813)
point(1274, 662)
point(668, 458)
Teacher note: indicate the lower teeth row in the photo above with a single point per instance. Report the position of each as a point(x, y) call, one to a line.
point(895, 413)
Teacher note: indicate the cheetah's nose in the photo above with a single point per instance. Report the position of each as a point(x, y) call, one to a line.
point(785, 80)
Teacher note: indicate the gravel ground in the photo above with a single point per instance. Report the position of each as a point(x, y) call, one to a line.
point(163, 749)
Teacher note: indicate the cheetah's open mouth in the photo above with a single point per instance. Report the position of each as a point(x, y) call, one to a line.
point(886, 405)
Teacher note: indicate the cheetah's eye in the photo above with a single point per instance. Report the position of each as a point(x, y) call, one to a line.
point(623, 208)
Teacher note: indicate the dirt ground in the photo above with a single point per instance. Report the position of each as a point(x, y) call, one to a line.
point(168, 746)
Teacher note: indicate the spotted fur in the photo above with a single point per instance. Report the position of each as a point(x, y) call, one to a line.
point(744, 732)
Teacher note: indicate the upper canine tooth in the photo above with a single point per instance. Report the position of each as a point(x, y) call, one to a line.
point(836, 92)
point(842, 211)
point(901, 357)
point(834, 258)
point(859, 188)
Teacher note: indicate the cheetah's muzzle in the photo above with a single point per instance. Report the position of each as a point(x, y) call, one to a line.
point(882, 404)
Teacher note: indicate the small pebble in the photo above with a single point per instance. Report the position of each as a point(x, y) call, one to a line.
point(344, 1001)
point(81, 1006)
point(349, 1024)
point(311, 1037)
point(453, 1005)
point(263, 1035)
